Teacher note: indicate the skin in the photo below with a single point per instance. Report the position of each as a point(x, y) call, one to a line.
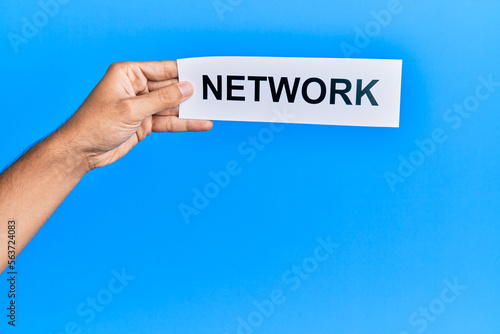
point(132, 100)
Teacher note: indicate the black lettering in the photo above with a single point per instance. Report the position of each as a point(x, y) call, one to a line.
point(341, 92)
point(257, 80)
point(365, 91)
point(276, 93)
point(231, 87)
point(216, 91)
point(322, 95)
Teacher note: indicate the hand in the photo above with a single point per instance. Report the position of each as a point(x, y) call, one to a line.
point(133, 100)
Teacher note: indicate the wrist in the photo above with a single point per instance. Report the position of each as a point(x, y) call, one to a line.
point(66, 155)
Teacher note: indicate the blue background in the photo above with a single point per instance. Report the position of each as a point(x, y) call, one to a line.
point(396, 247)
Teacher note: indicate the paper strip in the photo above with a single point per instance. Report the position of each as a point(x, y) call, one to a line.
point(356, 92)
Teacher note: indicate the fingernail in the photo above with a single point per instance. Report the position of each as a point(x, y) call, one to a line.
point(186, 88)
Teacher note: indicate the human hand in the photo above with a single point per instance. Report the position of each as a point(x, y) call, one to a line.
point(133, 100)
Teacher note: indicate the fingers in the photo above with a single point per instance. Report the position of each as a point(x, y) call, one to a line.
point(169, 112)
point(158, 70)
point(164, 98)
point(141, 73)
point(155, 85)
point(175, 124)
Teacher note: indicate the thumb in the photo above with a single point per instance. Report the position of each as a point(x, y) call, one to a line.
point(163, 98)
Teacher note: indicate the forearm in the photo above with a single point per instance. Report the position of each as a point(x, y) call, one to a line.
point(34, 186)
point(133, 100)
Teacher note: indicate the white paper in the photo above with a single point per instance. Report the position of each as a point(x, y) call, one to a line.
point(382, 110)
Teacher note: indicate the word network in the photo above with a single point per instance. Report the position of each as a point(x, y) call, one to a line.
point(338, 88)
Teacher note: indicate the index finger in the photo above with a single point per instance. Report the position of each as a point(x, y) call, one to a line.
point(158, 70)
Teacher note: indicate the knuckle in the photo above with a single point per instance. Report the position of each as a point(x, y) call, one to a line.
point(119, 66)
point(126, 107)
point(114, 66)
point(166, 95)
point(166, 70)
point(127, 65)
point(168, 125)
